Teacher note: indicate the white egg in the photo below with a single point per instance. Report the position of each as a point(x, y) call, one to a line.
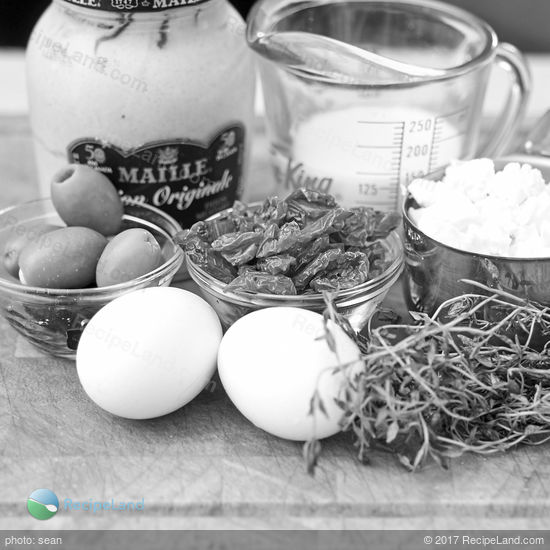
point(272, 361)
point(149, 353)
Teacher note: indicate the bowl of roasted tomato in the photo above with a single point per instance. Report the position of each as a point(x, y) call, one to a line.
point(302, 251)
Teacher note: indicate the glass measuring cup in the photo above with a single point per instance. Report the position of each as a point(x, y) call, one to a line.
point(362, 96)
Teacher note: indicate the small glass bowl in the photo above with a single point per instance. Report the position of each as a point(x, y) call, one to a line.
point(356, 304)
point(53, 319)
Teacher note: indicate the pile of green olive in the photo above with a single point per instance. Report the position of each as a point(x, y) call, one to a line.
point(92, 250)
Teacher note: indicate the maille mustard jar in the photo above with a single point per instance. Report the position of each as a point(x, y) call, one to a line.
point(156, 94)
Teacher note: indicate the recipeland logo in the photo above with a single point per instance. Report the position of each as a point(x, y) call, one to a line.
point(42, 504)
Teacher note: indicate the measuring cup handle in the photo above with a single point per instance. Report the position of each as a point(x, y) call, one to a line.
point(510, 59)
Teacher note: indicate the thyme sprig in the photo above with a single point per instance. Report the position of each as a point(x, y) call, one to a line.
point(473, 377)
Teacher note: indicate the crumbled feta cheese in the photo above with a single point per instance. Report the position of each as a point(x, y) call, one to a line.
point(545, 232)
point(476, 209)
point(425, 192)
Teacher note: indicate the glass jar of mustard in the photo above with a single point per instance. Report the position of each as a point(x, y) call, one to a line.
point(156, 94)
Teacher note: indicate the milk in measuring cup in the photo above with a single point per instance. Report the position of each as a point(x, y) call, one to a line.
point(363, 154)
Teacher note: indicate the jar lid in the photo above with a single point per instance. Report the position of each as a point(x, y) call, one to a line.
point(134, 6)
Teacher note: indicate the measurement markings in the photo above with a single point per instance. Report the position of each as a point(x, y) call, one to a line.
point(401, 152)
point(432, 150)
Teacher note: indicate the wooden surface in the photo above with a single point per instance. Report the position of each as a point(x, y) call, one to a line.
point(206, 466)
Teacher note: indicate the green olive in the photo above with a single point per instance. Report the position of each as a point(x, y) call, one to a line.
point(129, 255)
point(66, 258)
point(23, 235)
point(84, 197)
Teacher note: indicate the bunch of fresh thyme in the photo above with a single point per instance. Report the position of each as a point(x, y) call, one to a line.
point(473, 377)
